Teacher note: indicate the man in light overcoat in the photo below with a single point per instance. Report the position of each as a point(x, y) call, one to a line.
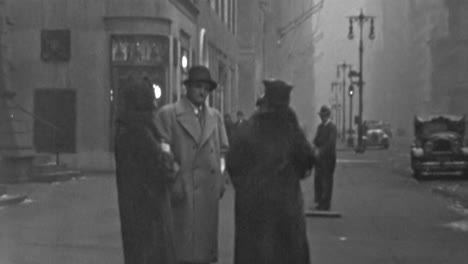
point(198, 140)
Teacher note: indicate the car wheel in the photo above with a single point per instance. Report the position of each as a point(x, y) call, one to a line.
point(385, 143)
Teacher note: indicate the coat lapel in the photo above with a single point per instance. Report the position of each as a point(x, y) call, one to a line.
point(210, 125)
point(187, 119)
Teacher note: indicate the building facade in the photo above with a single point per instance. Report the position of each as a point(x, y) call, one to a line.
point(252, 58)
point(399, 62)
point(450, 58)
point(276, 40)
point(67, 60)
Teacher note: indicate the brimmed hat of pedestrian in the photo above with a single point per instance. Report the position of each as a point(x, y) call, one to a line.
point(199, 73)
point(277, 92)
point(324, 111)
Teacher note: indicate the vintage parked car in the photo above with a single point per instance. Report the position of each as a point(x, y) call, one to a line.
point(376, 134)
point(438, 148)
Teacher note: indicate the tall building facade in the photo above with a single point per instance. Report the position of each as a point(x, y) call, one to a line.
point(450, 57)
point(399, 62)
point(293, 55)
point(252, 39)
point(67, 60)
point(276, 40)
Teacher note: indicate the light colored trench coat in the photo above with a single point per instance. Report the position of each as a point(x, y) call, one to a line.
point(198, 151)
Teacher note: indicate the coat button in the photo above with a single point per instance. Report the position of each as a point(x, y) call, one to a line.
point(212, 171)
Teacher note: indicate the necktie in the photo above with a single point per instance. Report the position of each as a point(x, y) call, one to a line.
point(199, 114)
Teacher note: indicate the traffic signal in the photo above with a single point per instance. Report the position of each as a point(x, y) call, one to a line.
point(351, 90)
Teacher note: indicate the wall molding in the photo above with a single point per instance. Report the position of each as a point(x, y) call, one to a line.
point(187, 7)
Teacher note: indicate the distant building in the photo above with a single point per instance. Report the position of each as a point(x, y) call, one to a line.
point(450, 57)
point(252, 37)
point(67, 59)
point(276, 40)
point(399, 62)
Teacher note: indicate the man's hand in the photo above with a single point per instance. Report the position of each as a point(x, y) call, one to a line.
point(223, 165)
point(317, 152)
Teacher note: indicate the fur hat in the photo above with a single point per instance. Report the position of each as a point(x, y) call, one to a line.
point(199, 73)
point(138, 97)
point(277, 92)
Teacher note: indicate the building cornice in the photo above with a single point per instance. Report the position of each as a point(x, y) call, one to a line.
point(138, 24)
point(130, 18)
point(187, 7)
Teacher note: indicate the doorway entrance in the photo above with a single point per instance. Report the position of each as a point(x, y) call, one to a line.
point(135, 57)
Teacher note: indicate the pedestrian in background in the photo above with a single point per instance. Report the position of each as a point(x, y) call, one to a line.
point(267, 159)
point(198, 140)
point(229, 125)
point(325, 143)
point(145, 174)
point(240, 118)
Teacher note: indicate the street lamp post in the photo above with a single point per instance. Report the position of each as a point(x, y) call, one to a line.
point(343, 68)
point(361, 19)
point(351, 93)
point(334, 89)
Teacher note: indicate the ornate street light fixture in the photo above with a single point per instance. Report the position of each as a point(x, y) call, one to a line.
point(335, 88)
point(350, 132)
point(343, 68)
point(361, 19)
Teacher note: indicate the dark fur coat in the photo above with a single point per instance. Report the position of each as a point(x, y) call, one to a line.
point(268, 158)
point(144, 176)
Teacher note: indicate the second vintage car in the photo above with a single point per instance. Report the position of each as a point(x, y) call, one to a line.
point(438, 148)
point(376, 135)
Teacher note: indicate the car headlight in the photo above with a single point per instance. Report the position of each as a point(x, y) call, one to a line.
point(464, 150)
point(428, 146)
point(417, 152)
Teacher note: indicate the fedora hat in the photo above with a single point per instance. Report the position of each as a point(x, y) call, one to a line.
point(277, 92)
point(324, 110)
point(199, 73)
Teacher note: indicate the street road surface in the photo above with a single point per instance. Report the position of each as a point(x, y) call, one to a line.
point(387, 217)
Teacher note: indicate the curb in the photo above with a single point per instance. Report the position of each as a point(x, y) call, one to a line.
point(59, 176)
point(8, 199)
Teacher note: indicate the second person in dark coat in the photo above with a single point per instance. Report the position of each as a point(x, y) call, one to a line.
point(268, 158)
point(145, 173)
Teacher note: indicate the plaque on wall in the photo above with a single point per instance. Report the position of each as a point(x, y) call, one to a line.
point(55, 45)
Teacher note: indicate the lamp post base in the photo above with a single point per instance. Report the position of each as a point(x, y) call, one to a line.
point(350, 142)
point(321, 213)
point(360, 148)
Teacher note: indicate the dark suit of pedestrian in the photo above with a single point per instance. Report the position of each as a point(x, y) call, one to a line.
point(325, 141)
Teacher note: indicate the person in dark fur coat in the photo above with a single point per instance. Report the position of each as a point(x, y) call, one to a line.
point(144, 174)
point(268, 157)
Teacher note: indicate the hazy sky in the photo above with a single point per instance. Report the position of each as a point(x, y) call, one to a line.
point(335, 47)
